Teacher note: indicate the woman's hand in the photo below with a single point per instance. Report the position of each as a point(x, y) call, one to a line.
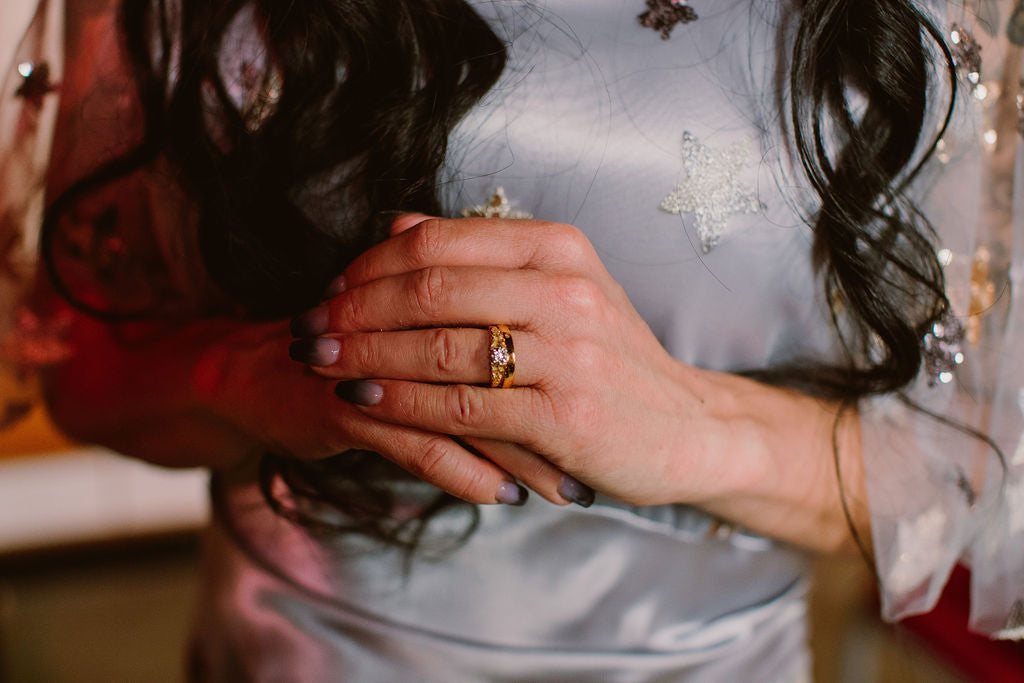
point(595, 394)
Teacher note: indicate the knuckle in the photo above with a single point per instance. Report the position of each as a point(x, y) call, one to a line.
point(347, 312)
point(361, 354)
point(429, 289)
point(427, 242)
point(570, 242)
point(428, 464)
point(468, 485)
point(445, 351)
point(535, 470)
point(466, 406)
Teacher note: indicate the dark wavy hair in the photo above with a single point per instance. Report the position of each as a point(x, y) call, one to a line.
point(369, 94)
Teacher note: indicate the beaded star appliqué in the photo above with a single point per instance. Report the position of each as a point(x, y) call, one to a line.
point(966, 54)
point(712, 190)
point(496, 207)
point(663, 15)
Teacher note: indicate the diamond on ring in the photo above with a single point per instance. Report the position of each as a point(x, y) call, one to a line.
point(502, 356)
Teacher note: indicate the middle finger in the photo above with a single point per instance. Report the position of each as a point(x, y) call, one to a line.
point(443, 297)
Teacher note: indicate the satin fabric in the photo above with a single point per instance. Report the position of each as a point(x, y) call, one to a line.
point(538, 593)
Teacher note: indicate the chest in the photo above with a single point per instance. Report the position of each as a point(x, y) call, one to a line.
point(647, 145)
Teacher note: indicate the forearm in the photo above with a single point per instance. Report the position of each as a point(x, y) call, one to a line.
point(779, 461)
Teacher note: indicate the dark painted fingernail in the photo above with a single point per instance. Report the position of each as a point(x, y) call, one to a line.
point(511, 493)
point(359, 392)
point(318, 352)
point(311, 323)
point(336, 287)
point(575, 491)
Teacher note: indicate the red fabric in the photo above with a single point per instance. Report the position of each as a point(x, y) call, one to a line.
point(945, 630)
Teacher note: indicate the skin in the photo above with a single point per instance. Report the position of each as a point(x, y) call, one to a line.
point(595, 396)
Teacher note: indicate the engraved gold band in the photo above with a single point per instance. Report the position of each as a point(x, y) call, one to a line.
point(502, 356)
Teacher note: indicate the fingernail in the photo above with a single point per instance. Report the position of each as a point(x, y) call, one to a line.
point(311, 323)
point(359, 392)
point(575, 491)
point(511, 493)
point(318, 352)
point(336, 287)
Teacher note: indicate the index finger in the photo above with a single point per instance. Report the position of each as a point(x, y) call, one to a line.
point(493, 242)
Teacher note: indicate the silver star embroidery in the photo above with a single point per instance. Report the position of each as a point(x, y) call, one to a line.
point(943, 349)
point(966, 54)
point(496, 207)
point(712, 190)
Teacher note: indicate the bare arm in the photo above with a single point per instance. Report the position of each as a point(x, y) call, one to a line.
point(805, 461)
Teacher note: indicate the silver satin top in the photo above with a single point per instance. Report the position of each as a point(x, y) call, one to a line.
point(586, 126)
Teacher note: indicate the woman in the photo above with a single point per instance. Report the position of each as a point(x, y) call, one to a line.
point(217, 165)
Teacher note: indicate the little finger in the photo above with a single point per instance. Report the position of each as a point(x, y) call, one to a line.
point(441, 461)
point(535, 472)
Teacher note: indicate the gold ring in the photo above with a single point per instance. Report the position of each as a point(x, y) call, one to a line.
point(502, 356)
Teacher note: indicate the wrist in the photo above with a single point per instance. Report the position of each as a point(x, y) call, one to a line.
point(715, 444)
point(780, 476)
point(738, 440)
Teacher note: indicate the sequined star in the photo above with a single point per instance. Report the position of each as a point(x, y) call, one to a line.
point(663, 15)
point(942, 349)
point(496, 207)
point(35, 81)
point(712, 190)
point(966, 54)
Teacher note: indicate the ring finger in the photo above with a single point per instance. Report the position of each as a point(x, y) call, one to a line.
point(442, 355)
